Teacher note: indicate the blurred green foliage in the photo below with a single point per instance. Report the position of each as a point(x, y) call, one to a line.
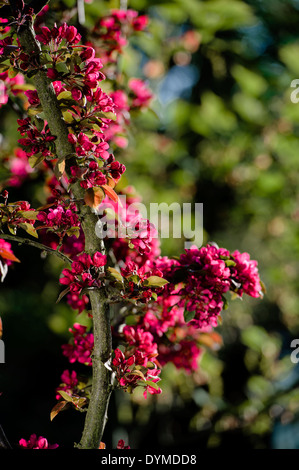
point(223, 131)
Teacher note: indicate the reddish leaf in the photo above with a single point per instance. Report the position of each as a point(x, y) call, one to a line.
point(57, 408)
point(211, 340)
point(46, 206)
point(93, 197)
point(7, 255)
point(62, 294)
point(111, 182)
point(110, 193)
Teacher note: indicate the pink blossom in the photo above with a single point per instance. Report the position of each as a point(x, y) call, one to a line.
point(69, 382)
point(35, 442)
point(142, 94)
point(81, 348)
point(19, 168)
point(121, 445)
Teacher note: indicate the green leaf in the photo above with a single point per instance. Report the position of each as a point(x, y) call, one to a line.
point(108, 115)
point(62, 67)
point(230, 262)
point(39, 123)
point(131, 320)
point(155, 281)
point(73, 231)
point(68, 117)
point(12, 229)
point(188, 316)
point(65, 395)
point(115, 274)
point(12, 72)
point(35, 160)
point(135, 279)
point(4, 67)
point(225, 303)
point(152, 384)
point(79, 402)
point(139, 373)
point(154, 296)
point(29, 229)
point(65, 95)
point(59, 169)
point(29, 215)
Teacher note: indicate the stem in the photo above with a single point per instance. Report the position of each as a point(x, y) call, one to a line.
point(40, 246)
point(96, 416)
point(97, 410)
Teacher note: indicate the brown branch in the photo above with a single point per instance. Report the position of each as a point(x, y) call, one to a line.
point(40, 246)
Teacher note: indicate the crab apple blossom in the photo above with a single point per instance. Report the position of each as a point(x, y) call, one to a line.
point(121, 445)
point(35, 442)
point(9, 85)
point(132, 372)
point(19, 168)
point(69, 382)
point(84, 272)
point(146, 310)
point(81, 348)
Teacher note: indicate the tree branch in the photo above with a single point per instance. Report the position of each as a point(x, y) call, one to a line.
point(96, 416)
point(101, 389)
point(40, 246)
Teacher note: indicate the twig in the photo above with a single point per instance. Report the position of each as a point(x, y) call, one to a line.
point(40, 246)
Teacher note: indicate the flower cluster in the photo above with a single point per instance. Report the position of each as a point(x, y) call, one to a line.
point(37, 141)
point(136, 370)
point(141, 93)
point(61, 218)
point(176, 341)
point(56, 36)
point(84, 272)
point(140, 340)
point(135, 236)
point(19, 168)
point(77, 302)
point(35, 442)
point(81, 347)
point(9, 85)
point(244, 275)
point(89, 177)
point(136, 366)
point(110, 33)
point(138, 98)
point(17, 215)
point(204, 275)
point(141, 283)
point(69, 382)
